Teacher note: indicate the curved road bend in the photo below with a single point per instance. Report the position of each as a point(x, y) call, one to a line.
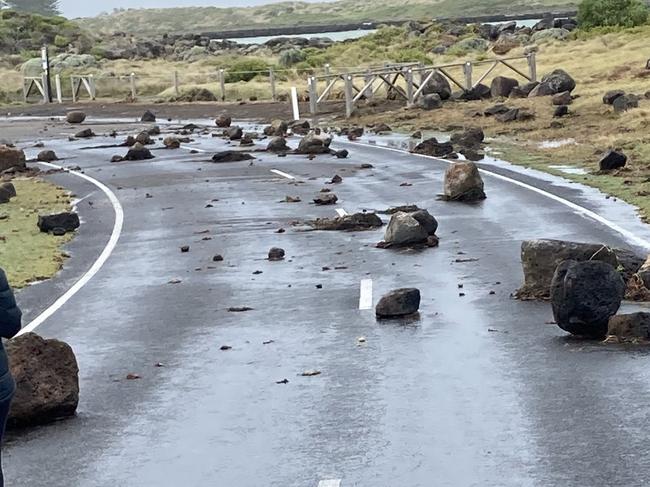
point(479, 392)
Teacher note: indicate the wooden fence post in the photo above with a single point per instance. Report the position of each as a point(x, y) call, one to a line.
point(93, 87)
point(133, 88)
point(57, 84)
point(409, 88)
point(532, 66)
point(467, 69)
point(74, 89)
point(313, 95)
point(272, 80)
point(46, 89)
point(327, 70)
point(349, 102)
point(222, 83)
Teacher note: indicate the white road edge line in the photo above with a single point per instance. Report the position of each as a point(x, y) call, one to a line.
point(629, 236)
point(283, 174)
point(365, 294)
point(330, 483)
point(97, 265)
point(186, 147)
point(341, 212)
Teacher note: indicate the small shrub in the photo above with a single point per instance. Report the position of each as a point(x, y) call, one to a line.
point(290, 57)
point(246, 70)
point(61, 41)
point(609, 13)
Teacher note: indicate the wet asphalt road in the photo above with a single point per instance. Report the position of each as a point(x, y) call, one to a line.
point(480, 391)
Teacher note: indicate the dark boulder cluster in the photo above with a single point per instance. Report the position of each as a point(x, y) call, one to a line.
point(586, 284)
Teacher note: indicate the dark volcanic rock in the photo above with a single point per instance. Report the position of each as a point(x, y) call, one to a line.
point(634, 327)
point(278, 144)
point(138, 153)
point(427, 220)
point(231, 156)
point(357, 221)
point(223, 121)
point(11, 157)
point(463, 183)
point(404, 229)
point(431, 147)
point(67, 221)
point(611, 96)
point(540, 258)
point(47, 380)
point(398, 303)
point(502, 86)
point(612, 160)
point(84, 134)
point(234, 133)
point(585, 295)
point(625, 102)
point(75, 116)
point(276, 254)
point(326, 199)
point(314, 144)
point(46, 156)
point(148, 116)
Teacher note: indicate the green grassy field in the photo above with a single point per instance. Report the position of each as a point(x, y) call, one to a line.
point(26, 254)
point(211, 19)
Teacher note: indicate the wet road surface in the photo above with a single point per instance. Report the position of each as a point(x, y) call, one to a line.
point(479, 391)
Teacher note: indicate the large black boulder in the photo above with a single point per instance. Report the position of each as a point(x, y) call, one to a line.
point(398, 303)
point(585, 295)
point(66, 221)
point(431, 147)
point(612, 160)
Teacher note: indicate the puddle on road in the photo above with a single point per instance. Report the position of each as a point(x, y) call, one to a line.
point(569, 169)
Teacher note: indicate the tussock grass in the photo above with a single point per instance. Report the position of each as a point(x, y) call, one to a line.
point(26, 254)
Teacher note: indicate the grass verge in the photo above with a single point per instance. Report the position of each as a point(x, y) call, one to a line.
point(27, 254)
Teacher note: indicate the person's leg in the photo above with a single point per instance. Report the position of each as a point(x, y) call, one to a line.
point(4, 414)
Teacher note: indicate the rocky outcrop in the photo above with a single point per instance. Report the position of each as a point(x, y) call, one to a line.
point(463, 182)
point(585, 295)
point(47, 380)
point(398, 303)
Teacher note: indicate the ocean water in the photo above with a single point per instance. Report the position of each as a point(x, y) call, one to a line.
point(335, 36)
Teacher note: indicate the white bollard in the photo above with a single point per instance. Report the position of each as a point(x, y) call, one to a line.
point(294, 103)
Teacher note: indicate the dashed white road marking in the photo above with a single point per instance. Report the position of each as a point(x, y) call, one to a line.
point(283, 174)
point(626, 234)
point(330, 483)
point(341, 212)
point(187, 147)
point(97, 265)
point(365, 294)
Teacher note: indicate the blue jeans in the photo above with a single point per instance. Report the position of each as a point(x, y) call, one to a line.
point(5, 404)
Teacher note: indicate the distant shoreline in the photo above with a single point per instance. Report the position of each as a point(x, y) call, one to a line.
point(370, 25)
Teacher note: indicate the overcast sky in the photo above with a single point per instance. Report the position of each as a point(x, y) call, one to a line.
point(85, 8)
